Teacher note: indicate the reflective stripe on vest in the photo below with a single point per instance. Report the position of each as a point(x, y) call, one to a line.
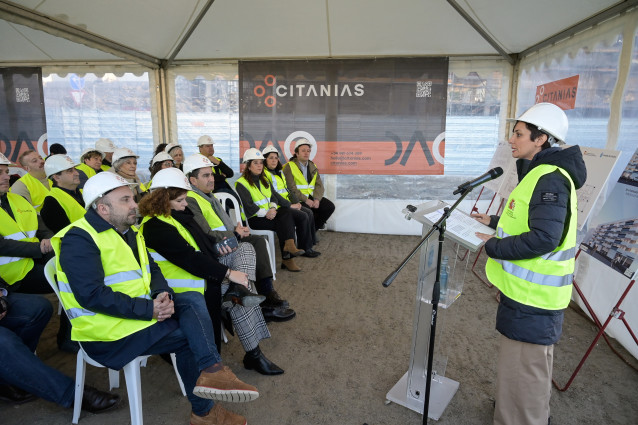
point(72, 208)
point(300, 181)
point(37, 191)
point(261, 198)
point(178, 279)
point(22, 227)
point(122, 273)
point(214, 221)
point(278, 183)
point(544, 281)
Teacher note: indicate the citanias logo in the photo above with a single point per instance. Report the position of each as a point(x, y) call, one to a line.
point(303, 90)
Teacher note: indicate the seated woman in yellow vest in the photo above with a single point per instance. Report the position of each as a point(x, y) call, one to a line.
point(125, 165)
point(159, 162)
point(305, 185)
point(268, 210)
point(90, 164)
point(272, 171)
point(190, 261)
point(64, 204)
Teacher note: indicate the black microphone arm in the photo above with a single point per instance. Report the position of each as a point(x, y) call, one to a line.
point(490, 175)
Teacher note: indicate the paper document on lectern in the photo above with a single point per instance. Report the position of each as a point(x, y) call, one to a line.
point(461, 227)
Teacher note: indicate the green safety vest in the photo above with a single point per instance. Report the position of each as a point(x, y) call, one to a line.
point(178, 279)
point(214, 221)
point(545, 281)
point(300, 181)
point(23, 228)
point(105, 167)
point(122, 273)
point(261, 199)
point(278, 183)
point(90, 172)
point(37, 190)
point(74, 211)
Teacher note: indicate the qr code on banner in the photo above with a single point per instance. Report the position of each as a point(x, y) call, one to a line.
point(22, 95)
point(424, 89)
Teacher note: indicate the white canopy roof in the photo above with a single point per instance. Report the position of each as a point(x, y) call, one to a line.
point(151, 31)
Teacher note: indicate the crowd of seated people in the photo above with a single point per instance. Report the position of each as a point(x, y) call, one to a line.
point(155, 278)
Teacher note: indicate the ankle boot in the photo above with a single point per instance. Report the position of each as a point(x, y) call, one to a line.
point(289, 264)
point(239, 294)
point(273, 300)
point(289, 246)
point(255, 359)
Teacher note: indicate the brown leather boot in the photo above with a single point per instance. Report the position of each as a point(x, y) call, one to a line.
point(218, 416)
point(289, 264)
point(290, 247)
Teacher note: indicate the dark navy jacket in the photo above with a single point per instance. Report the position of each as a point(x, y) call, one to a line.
point(549, 213)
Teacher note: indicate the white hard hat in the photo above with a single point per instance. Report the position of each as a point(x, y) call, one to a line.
point(56, 163)
point(4, 160)
point(100, 184)
point(549, 118)
point(269, 149)
point(205, 140)
point(171, 146)
point(105, 145)
point(252, 153)
point(195, 162)
point(120, 153)
point(302, 141)
point(170, 177)
point(161, 157)
point(89, 150)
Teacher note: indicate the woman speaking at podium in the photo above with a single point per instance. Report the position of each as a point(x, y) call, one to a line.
point(531, 262)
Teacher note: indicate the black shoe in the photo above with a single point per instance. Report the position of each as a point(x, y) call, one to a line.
point(255, 360)
point(278, 314)
point(273, 300)
point(15, 395)
point(239, 294)
point(96, 401)
point(311, 253)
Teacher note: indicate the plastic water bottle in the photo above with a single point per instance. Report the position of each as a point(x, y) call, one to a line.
point(445, 269)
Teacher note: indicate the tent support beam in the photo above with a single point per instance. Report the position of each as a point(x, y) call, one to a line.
point(191, 29)
point(594, 20)
point(510, 58)
point(16, 14)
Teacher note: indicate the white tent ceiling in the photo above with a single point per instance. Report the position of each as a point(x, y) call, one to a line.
point(151, 31)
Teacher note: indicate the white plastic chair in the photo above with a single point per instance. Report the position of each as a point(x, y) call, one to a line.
point(269, 234)
point(131, 370)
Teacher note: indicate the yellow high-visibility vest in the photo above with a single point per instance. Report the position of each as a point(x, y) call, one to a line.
point(261, 198)
point(23, 228)
point(545, 281)
point(300, 181)
point(178, 279)
point(122, 273)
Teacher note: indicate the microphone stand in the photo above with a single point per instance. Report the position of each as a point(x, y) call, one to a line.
point(436, 290)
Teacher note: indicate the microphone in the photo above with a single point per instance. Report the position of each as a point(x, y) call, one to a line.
point(484, 178)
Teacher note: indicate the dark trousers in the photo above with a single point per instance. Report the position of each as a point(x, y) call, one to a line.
point(283, 224)
point(323, 213)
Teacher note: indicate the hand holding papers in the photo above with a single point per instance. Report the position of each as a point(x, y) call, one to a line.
point(461, 227)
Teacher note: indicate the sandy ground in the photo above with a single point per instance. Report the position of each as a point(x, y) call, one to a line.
point(350, 343)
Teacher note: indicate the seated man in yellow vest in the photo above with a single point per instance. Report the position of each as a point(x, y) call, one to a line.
point(212, 218)
point(122, 307)
point(90, 164)
point(64, 204)
point(34, 185)
point(305, 185)
point(25, 248)
point(107, 147)
point(221, 171)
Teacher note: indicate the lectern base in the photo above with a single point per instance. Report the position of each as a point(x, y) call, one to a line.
point(441, 392)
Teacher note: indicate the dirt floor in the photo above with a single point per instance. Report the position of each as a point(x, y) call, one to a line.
point(350, 343)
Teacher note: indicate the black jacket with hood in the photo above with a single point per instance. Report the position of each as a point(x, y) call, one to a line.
point(549, 214)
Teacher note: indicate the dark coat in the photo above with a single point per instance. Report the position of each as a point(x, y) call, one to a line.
point(549, 215)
